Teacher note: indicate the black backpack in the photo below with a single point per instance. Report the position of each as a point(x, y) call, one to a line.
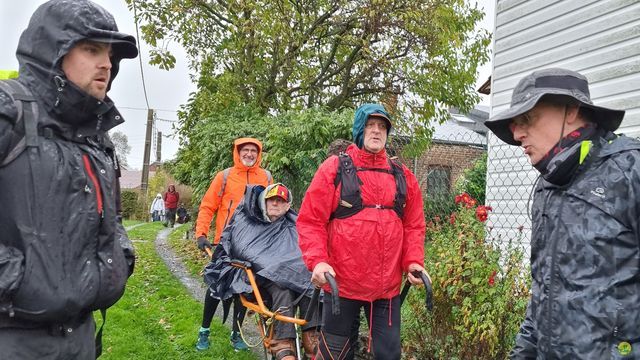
point(25, 130)
point(350, 197)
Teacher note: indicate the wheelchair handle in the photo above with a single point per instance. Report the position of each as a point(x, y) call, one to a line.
point(335, 309)
point(427, 287)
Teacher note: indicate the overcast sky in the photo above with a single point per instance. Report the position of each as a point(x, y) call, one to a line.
point(166, 90)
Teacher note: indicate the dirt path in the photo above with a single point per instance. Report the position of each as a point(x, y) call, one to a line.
point(196, 286)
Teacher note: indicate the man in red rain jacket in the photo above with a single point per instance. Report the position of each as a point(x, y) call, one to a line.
point(366, 231)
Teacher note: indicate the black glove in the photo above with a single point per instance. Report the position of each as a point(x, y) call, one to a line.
point(203, 243)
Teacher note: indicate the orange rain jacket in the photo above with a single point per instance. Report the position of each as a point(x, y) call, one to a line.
point(224, 204)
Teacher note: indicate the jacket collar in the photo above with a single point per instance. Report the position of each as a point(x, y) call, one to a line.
point(364, 158)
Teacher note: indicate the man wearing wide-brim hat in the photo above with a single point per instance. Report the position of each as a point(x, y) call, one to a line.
point(585, 242)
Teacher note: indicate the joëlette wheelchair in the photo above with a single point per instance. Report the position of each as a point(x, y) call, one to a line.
point(265, 318)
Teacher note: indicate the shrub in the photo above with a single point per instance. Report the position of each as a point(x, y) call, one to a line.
point(474, 180)
point(480, 289)
point(128, 201)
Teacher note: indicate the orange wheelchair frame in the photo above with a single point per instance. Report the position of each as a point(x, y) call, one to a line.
point(266, 318)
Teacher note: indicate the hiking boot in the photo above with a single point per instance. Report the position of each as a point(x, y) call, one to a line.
point(203, 340)
point(237, 342)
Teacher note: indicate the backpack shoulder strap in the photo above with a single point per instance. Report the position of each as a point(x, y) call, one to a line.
point(400, 200)
point(344, 161)
point(27, 116)
point(350, 199)
point(225, 175)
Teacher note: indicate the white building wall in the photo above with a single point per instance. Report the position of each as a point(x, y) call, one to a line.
point(598, 38)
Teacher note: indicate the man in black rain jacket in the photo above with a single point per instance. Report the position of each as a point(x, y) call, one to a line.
point(585, 242)
point(63, 250)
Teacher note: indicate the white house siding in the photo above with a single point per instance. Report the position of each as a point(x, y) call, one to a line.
point(600, 39)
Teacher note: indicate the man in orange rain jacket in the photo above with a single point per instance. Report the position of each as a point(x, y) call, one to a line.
point(223, 196)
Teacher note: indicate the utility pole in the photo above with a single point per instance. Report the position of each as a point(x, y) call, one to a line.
point(159, 147)
point(147, 154)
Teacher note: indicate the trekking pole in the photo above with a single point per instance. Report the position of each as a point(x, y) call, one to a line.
point(427, 286)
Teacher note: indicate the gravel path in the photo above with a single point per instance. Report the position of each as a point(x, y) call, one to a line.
point(197, 288)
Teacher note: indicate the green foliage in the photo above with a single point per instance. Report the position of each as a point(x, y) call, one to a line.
point(294, 144)
point(210, 148)
point(417, 57)
point(157, 318)
point(132, 206)
point(474, 180)
point(128, 201)
point(435, 206)
point(298, 145)
point(480, 288)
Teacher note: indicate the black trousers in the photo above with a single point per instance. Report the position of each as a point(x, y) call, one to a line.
point(210, 306)
point(170, 216)
point(282, 299)
point(383, 317)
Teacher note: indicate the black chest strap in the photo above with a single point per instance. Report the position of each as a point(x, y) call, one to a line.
point(350, 194)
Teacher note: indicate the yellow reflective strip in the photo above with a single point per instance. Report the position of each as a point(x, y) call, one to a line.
point(584, 150)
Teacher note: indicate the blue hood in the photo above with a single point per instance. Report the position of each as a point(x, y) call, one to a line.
point(360, 120)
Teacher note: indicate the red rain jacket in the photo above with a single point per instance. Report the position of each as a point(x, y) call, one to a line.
point(370, 250)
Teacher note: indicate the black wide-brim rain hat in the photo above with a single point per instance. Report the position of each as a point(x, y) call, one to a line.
point(550, 82)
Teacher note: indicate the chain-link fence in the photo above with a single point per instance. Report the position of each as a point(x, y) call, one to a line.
point(458, 161)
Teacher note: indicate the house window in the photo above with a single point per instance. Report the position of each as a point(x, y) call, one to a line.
point(438, 181)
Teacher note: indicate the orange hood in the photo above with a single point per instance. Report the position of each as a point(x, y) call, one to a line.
point(237, 163)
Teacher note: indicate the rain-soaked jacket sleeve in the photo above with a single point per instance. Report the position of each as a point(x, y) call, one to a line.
point(314, 215)
point(208, 206)
point(11, 259)
point(413, 223)
point(526, 340)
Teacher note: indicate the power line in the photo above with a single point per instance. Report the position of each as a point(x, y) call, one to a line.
point(144, 86)
point(143, 109)
point(166, 120)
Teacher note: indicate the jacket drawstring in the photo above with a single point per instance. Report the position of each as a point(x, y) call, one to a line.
point(389, 312)
point(370, 325)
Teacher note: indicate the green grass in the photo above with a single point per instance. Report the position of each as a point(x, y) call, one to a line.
point(157, 318)
point(128, 223)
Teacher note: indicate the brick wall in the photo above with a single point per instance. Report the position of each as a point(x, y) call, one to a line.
point(454, 158)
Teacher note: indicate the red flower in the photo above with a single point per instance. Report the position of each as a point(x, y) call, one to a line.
point(482, 212)
point(492, 278)
point(452, 218)
point(466, 200)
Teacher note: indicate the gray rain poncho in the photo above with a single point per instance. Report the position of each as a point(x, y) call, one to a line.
point(270, 247)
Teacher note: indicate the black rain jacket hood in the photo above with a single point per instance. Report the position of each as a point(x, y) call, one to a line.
point(54, 29)
point(585, 261)
point(271, 248)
